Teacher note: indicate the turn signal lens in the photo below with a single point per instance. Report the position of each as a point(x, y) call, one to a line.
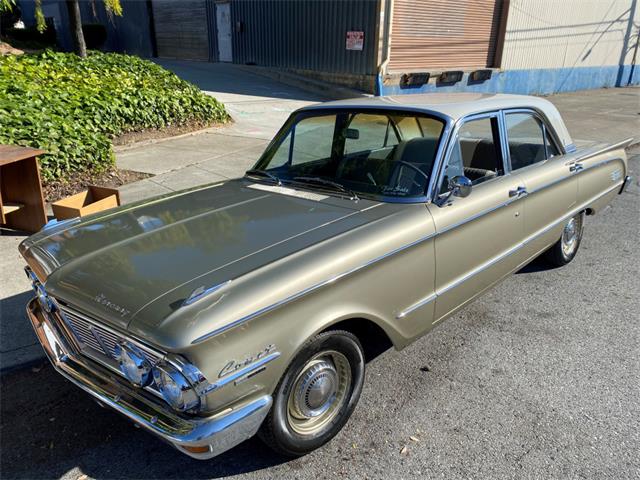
point(197, 449)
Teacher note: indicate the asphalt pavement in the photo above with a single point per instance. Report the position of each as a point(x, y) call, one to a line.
point(539, 378)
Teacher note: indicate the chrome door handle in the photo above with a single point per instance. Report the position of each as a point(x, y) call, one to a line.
point(576, 167)
point(518, 192)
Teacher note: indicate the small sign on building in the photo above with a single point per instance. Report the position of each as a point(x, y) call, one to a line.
point(355, 40)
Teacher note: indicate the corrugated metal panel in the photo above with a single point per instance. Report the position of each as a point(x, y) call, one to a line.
point(443, 34)
point(571, 33)
point(213, 31)
point(181, 29)
point(305, 34)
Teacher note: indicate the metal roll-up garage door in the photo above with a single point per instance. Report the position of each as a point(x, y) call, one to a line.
point(428, 34)
point(181, 29)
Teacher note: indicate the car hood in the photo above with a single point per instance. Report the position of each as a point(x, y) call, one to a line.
point(112, 265)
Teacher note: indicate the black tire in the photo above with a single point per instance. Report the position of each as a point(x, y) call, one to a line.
point(558, 255)
point(278, 431)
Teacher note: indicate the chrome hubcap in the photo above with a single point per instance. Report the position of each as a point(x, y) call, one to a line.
point(319, 392)
point(570, 235)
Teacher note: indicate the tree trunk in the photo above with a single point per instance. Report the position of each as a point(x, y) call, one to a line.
point(76, 27)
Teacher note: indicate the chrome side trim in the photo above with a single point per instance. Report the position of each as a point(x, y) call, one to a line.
point(243, 373)
point(425, 301)
point(308, 290)
point(523, 243)
point(551, 184)
point(460, 280)
point(481, 214)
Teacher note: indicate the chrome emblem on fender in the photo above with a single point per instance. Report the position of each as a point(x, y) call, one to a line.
point(234, 365)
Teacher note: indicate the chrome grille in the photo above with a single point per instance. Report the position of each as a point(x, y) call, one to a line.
point(97, 338)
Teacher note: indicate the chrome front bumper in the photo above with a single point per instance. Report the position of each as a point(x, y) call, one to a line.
point(210, 436)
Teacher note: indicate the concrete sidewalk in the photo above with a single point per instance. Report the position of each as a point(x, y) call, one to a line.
point(259, 107)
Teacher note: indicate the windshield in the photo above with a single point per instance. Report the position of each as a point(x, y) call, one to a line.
point(358, 152)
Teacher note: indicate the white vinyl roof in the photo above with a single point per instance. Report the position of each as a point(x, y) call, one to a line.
point(456, 106)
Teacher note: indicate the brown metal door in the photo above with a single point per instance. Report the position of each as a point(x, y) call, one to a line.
point(432, 34)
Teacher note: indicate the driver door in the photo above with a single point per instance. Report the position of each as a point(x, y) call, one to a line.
point(477, 236)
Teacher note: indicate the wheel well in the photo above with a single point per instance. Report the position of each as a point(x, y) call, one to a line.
point(373, 338)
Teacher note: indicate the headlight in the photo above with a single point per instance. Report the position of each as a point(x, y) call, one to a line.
point(175, 388)
point(133, 364)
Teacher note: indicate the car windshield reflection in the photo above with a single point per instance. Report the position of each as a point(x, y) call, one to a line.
point(374, 154)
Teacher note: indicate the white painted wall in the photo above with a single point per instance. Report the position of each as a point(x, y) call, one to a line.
point(570, 33)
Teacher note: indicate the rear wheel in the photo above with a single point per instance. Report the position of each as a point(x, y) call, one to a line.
point(317, 394)
point(565, 249)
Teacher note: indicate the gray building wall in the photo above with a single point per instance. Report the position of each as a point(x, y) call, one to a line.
point(305, 34)
point(129, 33)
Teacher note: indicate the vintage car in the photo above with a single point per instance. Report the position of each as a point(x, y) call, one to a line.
point(252, 305)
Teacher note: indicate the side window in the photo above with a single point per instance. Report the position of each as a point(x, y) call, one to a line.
point(526, 140)
point(369, 132)
point(476, 153)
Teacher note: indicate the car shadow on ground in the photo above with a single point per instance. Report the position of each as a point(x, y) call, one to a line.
point(16, 333)
point(536, 265)
point(49, 427)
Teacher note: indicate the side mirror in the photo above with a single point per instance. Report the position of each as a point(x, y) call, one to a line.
point(460, 186)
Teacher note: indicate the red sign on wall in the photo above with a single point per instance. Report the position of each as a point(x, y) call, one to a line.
point(355, 40)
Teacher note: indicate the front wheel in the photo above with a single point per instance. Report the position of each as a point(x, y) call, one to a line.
point(316, 395)
point(565, 249)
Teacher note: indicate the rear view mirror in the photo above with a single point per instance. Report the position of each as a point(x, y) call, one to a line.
point(352, 133)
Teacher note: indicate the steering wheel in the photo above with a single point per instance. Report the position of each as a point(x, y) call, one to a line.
point(401, 163)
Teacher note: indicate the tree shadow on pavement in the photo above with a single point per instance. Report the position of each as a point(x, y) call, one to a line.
point(48, 427)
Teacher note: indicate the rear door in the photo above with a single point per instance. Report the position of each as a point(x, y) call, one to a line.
point(477, 236)
point(550, 182)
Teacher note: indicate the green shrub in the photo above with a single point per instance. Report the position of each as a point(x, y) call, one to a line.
point(72, 108)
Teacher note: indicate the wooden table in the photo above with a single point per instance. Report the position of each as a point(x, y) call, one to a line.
point(21, 200)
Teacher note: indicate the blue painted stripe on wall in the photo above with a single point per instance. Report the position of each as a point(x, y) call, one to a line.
point(532, 82)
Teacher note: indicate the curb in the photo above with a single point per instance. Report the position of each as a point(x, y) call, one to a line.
point(153, 141)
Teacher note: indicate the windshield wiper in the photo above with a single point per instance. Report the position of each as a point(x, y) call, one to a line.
point(328, 183)
point(254, 172)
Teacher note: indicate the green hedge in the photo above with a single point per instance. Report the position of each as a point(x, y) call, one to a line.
point(73, 107)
